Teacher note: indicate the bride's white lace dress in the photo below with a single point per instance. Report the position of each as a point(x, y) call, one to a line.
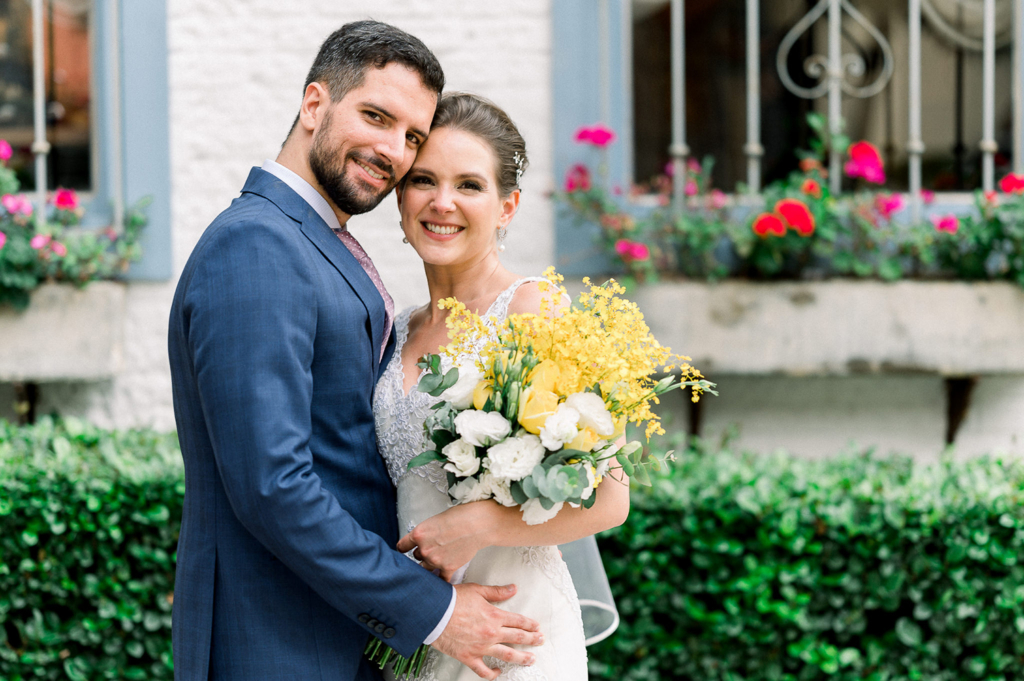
point(545, 591)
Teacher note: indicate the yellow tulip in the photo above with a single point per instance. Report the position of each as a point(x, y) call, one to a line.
point(481, 393)
point(585, 440)
point(544, 376)
point(535, 406)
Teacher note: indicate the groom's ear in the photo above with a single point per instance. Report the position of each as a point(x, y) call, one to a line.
point(315, 103)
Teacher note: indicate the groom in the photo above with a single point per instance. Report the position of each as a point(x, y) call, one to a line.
point(279, 328)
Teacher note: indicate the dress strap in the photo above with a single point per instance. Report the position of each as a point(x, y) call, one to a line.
point(499, 308)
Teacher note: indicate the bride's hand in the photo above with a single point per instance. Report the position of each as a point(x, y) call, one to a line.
point(449, 540)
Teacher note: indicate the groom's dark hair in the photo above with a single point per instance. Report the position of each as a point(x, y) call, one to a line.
point(347, 54)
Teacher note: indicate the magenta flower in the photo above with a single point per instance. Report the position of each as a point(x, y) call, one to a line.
point(597, 135)
point(59, 248)
point(1012, 184)
point(65, 199)
point(691, 188)
point(887, 204)
point(928, 196)
point(40, 241)
point(946, 223)
point(865, 162)
point(3, 239)
point(632, 250)
point(5, 150)
point(670, 169)
point(577, 179)
point(16, 203)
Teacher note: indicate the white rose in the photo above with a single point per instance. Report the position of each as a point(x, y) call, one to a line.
point(593, 413)
point(461, 394)
point(462, 458)
point(469, 489)
point(560, 428)
point(499, 488)
point(515, 458)
point(534, 513)
point(482, 428)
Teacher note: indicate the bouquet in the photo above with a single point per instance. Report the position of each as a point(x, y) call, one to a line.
point(534, 418)
point(532, 408)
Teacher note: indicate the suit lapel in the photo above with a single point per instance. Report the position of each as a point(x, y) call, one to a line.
point(330, 246)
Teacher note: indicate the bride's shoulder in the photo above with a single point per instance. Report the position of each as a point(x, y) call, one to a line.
point(530, 296)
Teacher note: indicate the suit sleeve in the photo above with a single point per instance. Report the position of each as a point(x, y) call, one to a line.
point(251, 315)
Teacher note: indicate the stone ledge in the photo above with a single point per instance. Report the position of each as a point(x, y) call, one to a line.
point(65, 334)
point(838, 328)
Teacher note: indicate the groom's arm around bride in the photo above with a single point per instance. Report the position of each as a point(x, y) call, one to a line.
point(285, 560)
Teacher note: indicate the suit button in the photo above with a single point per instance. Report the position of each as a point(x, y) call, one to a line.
point(388, 633)
point(372, 623)
point(380, 628)
point(363, 618)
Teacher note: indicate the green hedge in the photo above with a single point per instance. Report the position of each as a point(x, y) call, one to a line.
point(732, 567)
point(88, 524)
point(740, 567)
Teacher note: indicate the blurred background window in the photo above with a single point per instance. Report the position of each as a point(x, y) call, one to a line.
point(715, 49)
point(69, 127)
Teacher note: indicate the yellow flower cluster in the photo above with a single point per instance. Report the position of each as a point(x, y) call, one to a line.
point(600, 343)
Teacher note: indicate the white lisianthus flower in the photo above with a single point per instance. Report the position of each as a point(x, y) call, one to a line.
point(591, 474)
point(462, 458)
point(515, 458)
point(593, 413)
point(461, 394)
point(534, 512)
point(500, 489)
point(468, 490)
point(560, 428)
point(482, 428)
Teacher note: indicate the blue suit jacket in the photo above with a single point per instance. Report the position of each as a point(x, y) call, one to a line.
point(285, 559)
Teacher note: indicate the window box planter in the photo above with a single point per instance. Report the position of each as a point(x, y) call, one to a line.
point(65, 334)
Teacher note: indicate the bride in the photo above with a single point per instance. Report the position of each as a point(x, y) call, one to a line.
point(456, 203)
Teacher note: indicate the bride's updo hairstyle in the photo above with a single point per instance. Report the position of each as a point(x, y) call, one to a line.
point(481, 117)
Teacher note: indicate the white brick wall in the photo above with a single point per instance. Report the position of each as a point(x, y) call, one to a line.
point(236, 76)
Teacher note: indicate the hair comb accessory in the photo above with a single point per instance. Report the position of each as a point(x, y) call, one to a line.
point(518, 159)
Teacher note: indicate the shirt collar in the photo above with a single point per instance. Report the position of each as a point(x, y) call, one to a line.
point(304, 189)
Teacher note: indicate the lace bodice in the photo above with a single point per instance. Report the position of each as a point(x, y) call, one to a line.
point(400, 417)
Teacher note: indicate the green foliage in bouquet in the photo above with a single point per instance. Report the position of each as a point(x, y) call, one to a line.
point(59, 250)
point(89, 523)
point(761, 568)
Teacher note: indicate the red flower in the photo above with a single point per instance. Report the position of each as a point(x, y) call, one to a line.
point(946, 223)
point(768, 223)
point(886, 205)
point(577, 179)
point(65, 199)
point(811, 187)
point(797, 215)
point(809, 164)
point(598, 135)
point(632, 250)
point(991, 198)
point(865, 162)
point(1013, 183)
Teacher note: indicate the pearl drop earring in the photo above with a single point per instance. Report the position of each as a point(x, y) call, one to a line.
point(401, 226)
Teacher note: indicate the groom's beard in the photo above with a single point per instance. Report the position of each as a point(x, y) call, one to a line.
point(349, 194)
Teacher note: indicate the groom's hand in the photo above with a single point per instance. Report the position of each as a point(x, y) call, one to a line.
point(477, 628)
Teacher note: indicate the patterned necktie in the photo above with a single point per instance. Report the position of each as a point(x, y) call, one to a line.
point(364, 261)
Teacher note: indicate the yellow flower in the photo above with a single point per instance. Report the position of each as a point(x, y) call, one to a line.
point(544, 376)
point(585, 441)
point(481, 393)
point(620, 428)
point(535, 406)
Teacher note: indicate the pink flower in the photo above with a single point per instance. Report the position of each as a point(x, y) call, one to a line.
point(991, 198)
point(946, 223)
point(632, 250)
point(928, 196)
point(3, 239)
point(670, 169)
point(717, 200)
point(577, 178)
point(693, 165)
point(5, 150)
point(65, 199)
point(111, 233)
point(598, 135)
point(1013, 183)
point(16, 203)
point(691, 188)
point(59, 248)
point(40, 241)
point(865, 162)
point(886, 205)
